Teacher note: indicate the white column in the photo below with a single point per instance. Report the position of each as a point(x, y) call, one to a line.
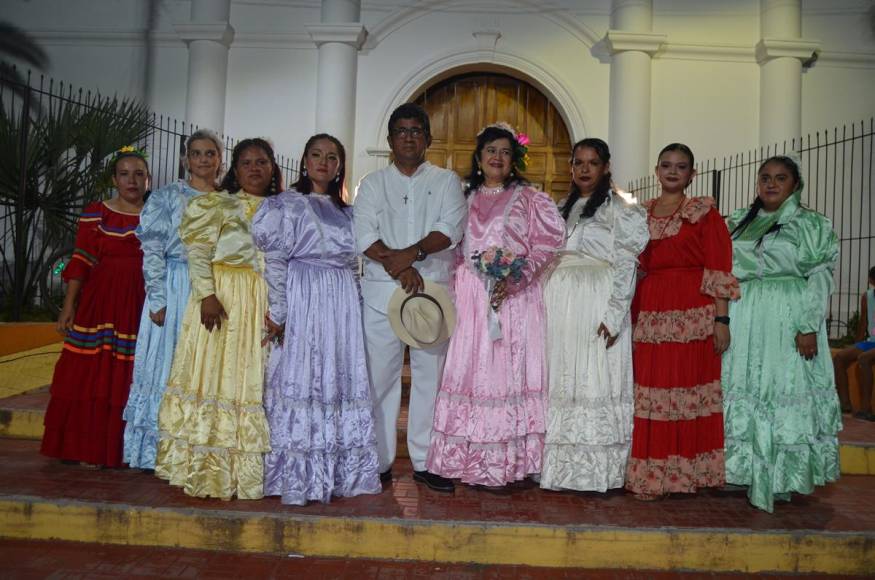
point(632, 45)
point(208, 35)
point(780, 53)
point(339, 37)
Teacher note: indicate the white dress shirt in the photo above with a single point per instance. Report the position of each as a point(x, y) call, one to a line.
point(401, 211)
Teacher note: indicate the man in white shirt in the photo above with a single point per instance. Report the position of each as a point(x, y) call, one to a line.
point(408, 218)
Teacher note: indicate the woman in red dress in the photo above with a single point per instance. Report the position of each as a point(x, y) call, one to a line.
point(681, 329)
point(100, 316)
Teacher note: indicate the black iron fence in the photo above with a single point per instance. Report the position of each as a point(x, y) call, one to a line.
point(38, 209)
point(837, 166)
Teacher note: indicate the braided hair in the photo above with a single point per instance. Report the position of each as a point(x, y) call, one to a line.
point(791, 166)
point(231, 184)
point(602, 189)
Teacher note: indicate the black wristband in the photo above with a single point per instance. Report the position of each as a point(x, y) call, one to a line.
point(722, 320)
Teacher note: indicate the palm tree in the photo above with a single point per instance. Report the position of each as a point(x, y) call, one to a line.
point(51, 164)
point(15, 44)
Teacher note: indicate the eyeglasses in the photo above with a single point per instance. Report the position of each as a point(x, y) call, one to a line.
point(414, 132)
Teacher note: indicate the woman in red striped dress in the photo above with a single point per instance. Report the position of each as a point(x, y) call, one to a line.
point(99, 319)
point(681, 329)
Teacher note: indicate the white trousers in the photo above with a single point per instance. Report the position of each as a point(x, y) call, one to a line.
point(385, 353)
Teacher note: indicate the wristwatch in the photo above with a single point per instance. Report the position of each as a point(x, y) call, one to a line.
point(420, 253)
point(722, 320)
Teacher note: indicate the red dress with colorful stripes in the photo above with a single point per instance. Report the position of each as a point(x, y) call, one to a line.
point(93, 375)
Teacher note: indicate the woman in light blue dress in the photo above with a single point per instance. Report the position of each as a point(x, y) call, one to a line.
point(165, 269)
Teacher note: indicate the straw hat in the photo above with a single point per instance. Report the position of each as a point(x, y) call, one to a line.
point(425, 319)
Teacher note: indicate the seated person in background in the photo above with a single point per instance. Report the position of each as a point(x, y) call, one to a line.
point(863, 352)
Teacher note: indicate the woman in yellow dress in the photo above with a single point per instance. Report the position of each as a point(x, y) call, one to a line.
point(213, 431)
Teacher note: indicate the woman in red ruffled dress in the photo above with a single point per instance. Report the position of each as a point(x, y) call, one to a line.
point(681, 329)
point(99, 319)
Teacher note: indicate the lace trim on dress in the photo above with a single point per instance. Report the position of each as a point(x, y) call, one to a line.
point(207, 449)
point(665, 227)
point(679, 404)
point(492, 401)
point(675, 325)
point(228, 405)
point(675, 474)
point(720, 284)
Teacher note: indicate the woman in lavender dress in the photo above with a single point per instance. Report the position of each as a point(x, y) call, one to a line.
point(317, 395)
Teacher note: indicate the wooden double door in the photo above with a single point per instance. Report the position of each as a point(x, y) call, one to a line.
point(460, 106)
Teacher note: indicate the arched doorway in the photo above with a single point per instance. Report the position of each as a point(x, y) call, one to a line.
point(461, 105)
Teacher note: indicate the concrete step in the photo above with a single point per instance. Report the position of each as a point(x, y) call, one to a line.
point(831, 531)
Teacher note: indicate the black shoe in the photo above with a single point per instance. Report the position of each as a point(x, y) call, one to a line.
point(434, 481)
point(386, 476)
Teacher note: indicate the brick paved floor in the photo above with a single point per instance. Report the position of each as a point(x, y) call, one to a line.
point(848, 505)
point(68, 560)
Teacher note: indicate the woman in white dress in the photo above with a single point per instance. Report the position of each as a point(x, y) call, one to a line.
point(589, 345)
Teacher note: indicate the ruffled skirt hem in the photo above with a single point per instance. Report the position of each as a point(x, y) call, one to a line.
point(492, 464)
point(300, 477)
point(210, 471)
point(794, 469)
point(584, 467)
point(675, 474)
point(141, 447)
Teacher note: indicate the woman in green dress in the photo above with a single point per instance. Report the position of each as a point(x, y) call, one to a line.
point(781, 409)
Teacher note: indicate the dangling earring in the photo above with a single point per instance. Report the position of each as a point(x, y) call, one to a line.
point(479, 171)
point(337, 178)
point(304, 172)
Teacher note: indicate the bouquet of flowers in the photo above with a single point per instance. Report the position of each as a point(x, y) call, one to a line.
point(497, 264)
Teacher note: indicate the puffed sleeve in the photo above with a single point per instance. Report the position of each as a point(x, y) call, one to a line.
point(454, 210)
point(818, 252)
point(85, 253)
point(366, 223)
point(154, 232)
point(544, 237)
point(199, 230)
point(630, 238)
point(271, 237)
point(717, 280)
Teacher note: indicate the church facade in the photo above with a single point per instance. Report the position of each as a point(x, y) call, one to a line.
point(720, 76)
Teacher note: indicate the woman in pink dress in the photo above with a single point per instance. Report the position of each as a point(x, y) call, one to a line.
point(489, 415)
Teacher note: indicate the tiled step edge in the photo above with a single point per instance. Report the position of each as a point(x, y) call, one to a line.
point(714, 550)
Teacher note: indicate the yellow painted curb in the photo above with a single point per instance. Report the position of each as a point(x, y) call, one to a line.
point(857, 459)
point(533, 545)
point(28, 370)
point(21, 423)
